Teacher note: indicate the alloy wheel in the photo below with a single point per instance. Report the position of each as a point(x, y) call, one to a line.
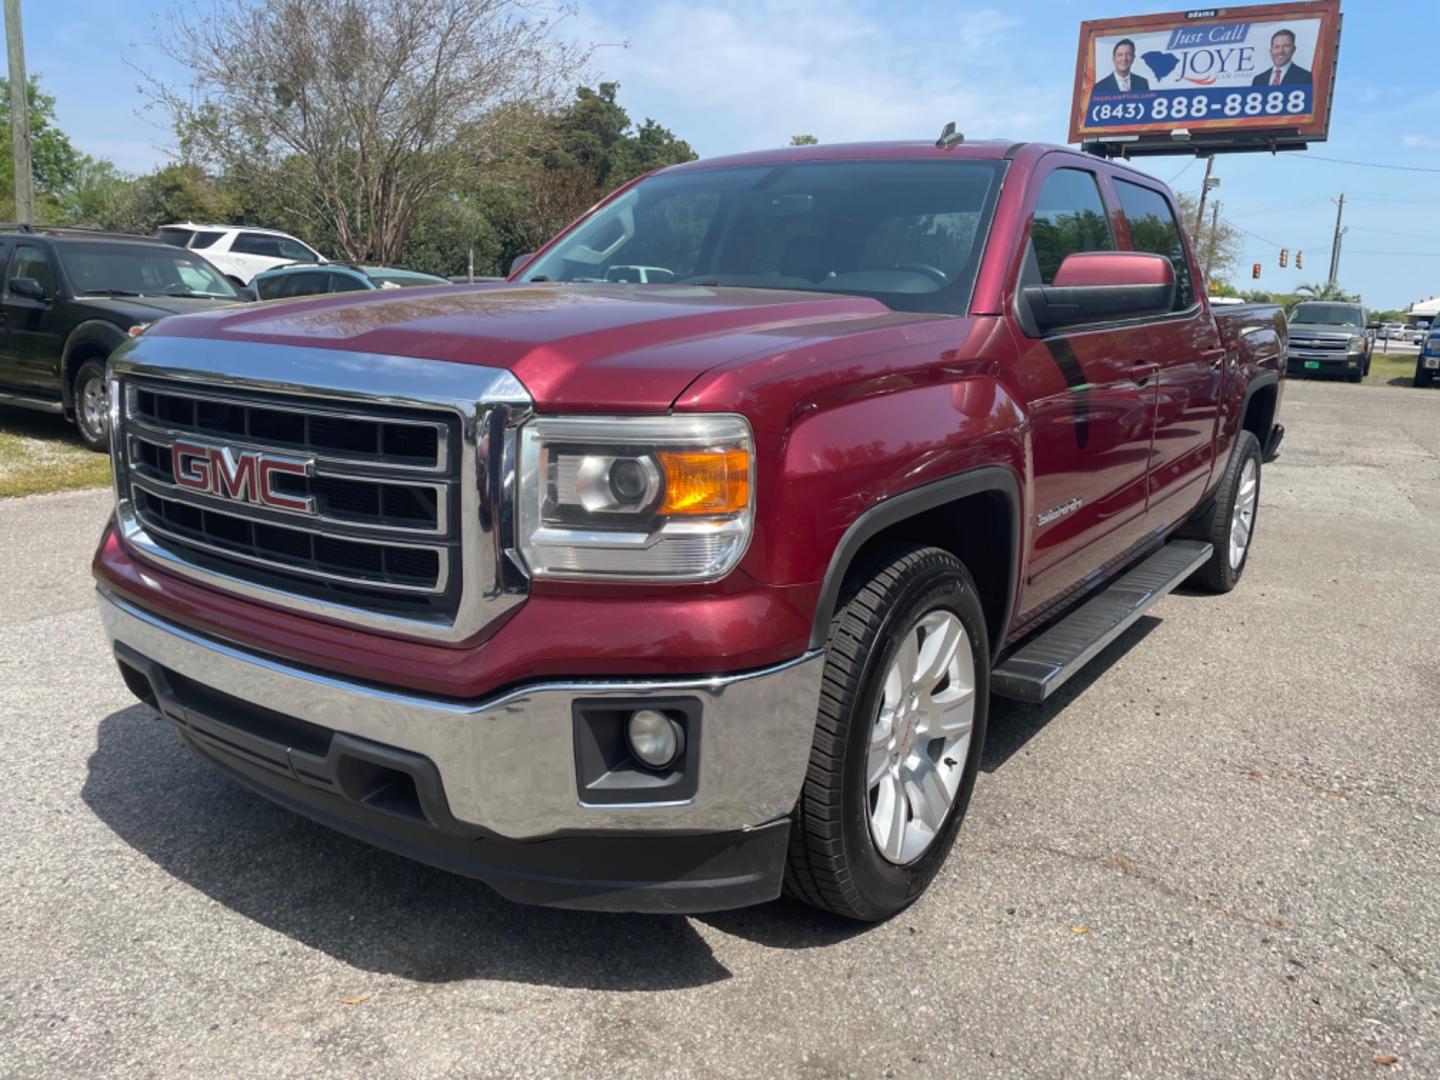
point(921, 736)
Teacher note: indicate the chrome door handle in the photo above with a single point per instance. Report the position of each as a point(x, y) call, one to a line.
point(1143, 370)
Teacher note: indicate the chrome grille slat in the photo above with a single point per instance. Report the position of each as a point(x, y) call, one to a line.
point(439, 491)
point(307, 417)
point(294, 568)
point(401, 542)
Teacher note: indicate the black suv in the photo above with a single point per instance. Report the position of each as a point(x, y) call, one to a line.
point(70, 296)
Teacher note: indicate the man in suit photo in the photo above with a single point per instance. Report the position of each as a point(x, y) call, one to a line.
point(1122, 81)
point(1283, 72)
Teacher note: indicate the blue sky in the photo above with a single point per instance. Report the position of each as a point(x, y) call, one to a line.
point(733, 75)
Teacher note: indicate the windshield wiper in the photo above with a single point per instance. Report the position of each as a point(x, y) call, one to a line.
point(198, 295)
point(108, 292)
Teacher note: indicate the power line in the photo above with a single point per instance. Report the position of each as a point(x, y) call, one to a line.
point(1171, 181)
point(1391, 232)
point(1361, 164)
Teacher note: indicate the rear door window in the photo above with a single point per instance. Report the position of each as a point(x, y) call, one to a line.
point(293, 249)
point(204, 239)
point(257, 244)
point(1153, 228)
point(306, 284)
point(1069, 218)
point(346, 283)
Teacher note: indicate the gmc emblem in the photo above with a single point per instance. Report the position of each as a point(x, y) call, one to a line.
point(242, 475)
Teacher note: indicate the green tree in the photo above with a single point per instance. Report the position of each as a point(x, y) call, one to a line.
point(595, 136)
point(54, 162)
point(362, 110)
point(1217, 246)
point(177, 192)
point(96, 195)
point(1326, 291)
point(804, 140)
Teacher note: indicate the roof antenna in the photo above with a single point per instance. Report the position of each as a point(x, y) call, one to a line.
point(949, 138)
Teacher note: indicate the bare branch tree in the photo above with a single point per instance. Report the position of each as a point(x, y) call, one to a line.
point(358, 110)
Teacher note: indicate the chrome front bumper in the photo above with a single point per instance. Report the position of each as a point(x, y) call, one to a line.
point(507, 764)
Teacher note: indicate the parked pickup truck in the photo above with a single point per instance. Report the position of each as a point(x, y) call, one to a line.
point(70, 296)
point(1328, 338)
point(668, 597)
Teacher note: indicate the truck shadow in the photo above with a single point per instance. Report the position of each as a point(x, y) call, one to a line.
point(1014, 723)
point(380, 912)
point(365, 907)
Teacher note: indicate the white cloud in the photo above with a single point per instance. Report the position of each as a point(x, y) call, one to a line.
point(734, 77)
point(1421, 142)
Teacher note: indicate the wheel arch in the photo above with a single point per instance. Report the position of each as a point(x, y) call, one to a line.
point(1257, 408)
point(942, 514)
point(92, 339)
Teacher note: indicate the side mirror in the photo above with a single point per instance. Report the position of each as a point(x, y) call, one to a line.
point(518, 261)
point(1097, 286)
point(27, 287)
point(1372, 326)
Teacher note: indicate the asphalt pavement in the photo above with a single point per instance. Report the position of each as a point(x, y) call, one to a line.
point(1217, 854)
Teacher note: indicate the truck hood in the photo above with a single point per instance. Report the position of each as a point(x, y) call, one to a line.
point(582, 348)
point(143, 309)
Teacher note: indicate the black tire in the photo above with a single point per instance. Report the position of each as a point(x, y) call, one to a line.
point(1423, 375)
point(1219, 574)
point(94, 427)
point(834, 862)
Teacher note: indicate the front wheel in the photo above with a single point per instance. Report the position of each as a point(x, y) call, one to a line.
point(1423, 375)
point(92, 409)
point(898, 737)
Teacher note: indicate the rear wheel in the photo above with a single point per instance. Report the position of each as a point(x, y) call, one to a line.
point(1231, 523)
point(898, 737)
point(92, 410)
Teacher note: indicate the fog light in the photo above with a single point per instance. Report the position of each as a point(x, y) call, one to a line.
point(654, 738)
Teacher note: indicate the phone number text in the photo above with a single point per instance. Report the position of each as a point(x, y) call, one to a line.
point(1187, 105)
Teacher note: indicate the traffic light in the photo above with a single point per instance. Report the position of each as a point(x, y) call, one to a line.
point(1284, 256)
point(1299, 260)
point(1255, 270)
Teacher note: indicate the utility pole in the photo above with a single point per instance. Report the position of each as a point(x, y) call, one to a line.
point(1204, 191)
point(1339, 232)
point(19, 115)
point(1210, 240)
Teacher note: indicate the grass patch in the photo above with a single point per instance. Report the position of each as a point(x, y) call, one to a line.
point(1393, 369)
point(41, 452)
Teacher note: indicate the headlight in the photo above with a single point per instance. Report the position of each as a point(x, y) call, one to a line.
point(665, 498)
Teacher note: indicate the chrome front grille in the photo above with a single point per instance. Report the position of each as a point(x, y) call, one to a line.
point(1325, 344)
point(387, 508)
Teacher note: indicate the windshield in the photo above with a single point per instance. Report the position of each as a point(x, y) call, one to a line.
point(102, 269)
point(1328, 315)
point(907, 233)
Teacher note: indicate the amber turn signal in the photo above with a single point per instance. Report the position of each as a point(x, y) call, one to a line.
point(705, 481)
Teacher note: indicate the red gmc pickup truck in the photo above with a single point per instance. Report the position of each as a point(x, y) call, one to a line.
point(679, 569)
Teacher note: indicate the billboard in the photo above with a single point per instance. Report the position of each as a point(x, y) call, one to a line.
point(1216, 78)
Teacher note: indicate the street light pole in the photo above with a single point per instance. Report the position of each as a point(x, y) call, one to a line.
point(19, 115)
